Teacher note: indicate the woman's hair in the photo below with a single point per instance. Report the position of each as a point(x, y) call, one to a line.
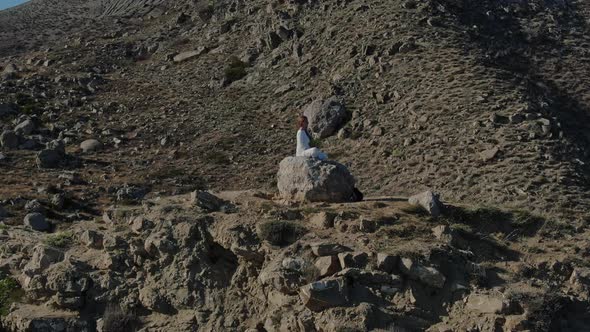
point(300, 120)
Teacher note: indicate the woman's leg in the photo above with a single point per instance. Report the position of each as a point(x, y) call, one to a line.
point(315, 153)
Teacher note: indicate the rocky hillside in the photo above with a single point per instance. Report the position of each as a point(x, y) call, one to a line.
point(486, 102)
point(109, 108)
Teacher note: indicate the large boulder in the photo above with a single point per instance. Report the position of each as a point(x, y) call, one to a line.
point(325, 116)
point(429, 201)
point(313, 180)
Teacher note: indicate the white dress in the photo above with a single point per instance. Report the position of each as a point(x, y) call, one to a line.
point(304, 150)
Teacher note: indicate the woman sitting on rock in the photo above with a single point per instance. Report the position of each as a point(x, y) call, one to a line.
point(303, 140)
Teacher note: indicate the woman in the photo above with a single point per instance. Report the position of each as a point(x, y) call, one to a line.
point(303, 139)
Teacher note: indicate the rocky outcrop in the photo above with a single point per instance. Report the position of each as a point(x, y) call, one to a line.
point(312, 180)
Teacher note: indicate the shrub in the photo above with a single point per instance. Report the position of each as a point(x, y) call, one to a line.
point(280, 233)
point(60, 240)
point(10, 292)
point(235, 70)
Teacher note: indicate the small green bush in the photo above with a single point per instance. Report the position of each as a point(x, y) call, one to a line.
point(280, 233)
point(60, 240)
point(10, 292)
point(235, 70)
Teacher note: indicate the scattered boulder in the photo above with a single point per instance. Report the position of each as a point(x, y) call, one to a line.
point(139, 224)
point(90, 145)
point(327, 265)
point(9, 140)
point(427, 275)
point(184, 56)
point(48, 159)
point(91, 239)
point(323, 220)
point(490, 154)
point(487, 303)
point(429, 201)
point(580, 277)
point(386, 262)
point(9, 72)
point(25, 128)
point(325, 116)
point(37, 222)
point(313, 180)
point(34, 206)
point(207, 201)
point(324, 294)
point(293, 264)
point(367, 225)
point(328, 249)
point(52, 156)
point(42, 258)
point(353, 259)
point(3, 212)
point(443, 233)
point(7, 109)
point(130, 192)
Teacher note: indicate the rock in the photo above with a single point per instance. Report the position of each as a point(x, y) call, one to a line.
point(58, 146)
point(91, 239)
point(132, 193)
point(7, 109)
point(153, 299)
point(516, 118)
point(42, 258)
point(580, 277)
point(489, 154)
point(139, 224)
point(207, 201)
point(443, 233)
point(325, 116)
point(3, 212)
point(367, 225)
point(327, 265)
point(25, 128)
point(37, 222)
point(370, 278)
point(90, 145)
point(48, 159)
point(324, 294)
point(293, 264)
point(313, 180)
point(184, 56)
point(52, 156)
point(427, 275)
point(58, 201)
point(353, 259)
point(328, 249)
point(9, 140)
point(323, 220)
point(487, 303)
point(386, 262)
point(429, 201)
point(9, 72)
point(34, 206)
